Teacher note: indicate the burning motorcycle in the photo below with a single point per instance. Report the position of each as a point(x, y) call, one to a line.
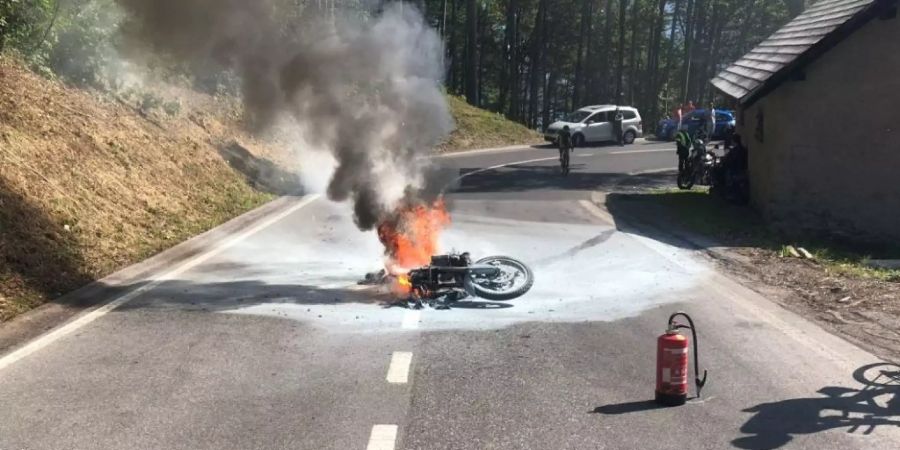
point(450, 278)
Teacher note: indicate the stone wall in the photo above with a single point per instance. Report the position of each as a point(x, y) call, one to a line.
point(825, 151)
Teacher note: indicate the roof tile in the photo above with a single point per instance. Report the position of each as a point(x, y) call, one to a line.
point(781, 49)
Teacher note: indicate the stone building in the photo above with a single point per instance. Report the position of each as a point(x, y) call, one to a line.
point(819, 110)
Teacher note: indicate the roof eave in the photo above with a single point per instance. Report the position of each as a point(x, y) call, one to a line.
point(875, 10)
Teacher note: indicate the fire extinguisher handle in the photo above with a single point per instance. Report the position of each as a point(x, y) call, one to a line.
point(700, 381)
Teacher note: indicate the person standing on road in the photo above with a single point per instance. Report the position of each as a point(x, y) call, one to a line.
point(564, 140)
point(683, 148)
point(618, 119)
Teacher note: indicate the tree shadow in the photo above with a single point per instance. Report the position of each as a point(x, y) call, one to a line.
point(230, 295)
point(185, 295)
point(699, 219)
point(37, 253)
point(875, 403)
point(521, 178)
point(261, 173)
point(684, 219)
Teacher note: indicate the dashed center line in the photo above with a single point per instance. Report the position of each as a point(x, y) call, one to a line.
point(383, 437)
point(398, 372)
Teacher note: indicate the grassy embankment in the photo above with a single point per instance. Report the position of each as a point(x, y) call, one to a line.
point(477, 128)
point(89, 185)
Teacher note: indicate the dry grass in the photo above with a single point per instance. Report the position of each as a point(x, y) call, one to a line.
point(88, 185)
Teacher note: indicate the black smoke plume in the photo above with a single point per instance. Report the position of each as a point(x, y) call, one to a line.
point(367, 89)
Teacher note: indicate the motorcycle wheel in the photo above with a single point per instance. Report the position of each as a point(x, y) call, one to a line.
point(686, 179)
point(513, 280)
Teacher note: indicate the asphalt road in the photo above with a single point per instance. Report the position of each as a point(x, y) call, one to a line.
point(262, 340)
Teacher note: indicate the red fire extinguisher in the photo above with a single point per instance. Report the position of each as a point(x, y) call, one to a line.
point(672, 363)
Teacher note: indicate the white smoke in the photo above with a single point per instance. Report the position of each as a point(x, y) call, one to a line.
point(366, 91)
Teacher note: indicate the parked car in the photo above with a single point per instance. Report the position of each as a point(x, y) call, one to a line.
point(594, 124)
point(693, 121)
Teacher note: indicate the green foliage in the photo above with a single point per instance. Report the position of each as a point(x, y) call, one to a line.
point(26, 25)
point(172, 108)
point(84, 52)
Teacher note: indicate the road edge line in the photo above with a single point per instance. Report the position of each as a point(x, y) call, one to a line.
point(101, 310)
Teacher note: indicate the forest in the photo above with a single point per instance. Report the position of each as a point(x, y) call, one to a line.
point(533, 60)
point(530, 60)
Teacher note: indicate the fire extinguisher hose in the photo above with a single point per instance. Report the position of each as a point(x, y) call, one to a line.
point(700, 382)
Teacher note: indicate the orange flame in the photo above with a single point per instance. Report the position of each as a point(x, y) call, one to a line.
point(411, 237)
point(403, 286)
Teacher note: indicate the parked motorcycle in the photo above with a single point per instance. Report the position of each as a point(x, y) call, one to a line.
point(699, 167)
point(453, 277)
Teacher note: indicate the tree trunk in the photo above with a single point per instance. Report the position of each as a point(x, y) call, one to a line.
point(515, 88)
point(587, 18)
point(508, 43)
point(605, 69)
point(688, 50)
point(483, 47)
point(651, 98)
point(620, 65)
point(471, 72)
point(453, 81)
point(537, 55)
point(670, 53)
point(633, 63)
point(549, 97)
point(700, 50)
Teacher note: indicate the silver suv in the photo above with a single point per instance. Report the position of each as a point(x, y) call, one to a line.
point(594, 124)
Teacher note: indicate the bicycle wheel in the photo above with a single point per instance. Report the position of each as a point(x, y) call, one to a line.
point(564, 163)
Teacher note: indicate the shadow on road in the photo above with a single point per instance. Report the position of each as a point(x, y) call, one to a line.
point(875, 403)
point(626, 408)
point(186, 295)
point(706, 220)
point(519, 178)
point(667, 214)
point(227, 296)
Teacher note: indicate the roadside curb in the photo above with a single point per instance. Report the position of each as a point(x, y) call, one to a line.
point(44, 318)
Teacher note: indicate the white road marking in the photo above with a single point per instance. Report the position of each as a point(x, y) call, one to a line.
point(411, 319)
point(498, 166)
point(652, 150)
point(398, 371)
point(487, 150)
point(383, 437)
point(95, 314)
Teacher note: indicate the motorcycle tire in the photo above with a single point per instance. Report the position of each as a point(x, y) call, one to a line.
point(686, 180)
point(502, 295)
